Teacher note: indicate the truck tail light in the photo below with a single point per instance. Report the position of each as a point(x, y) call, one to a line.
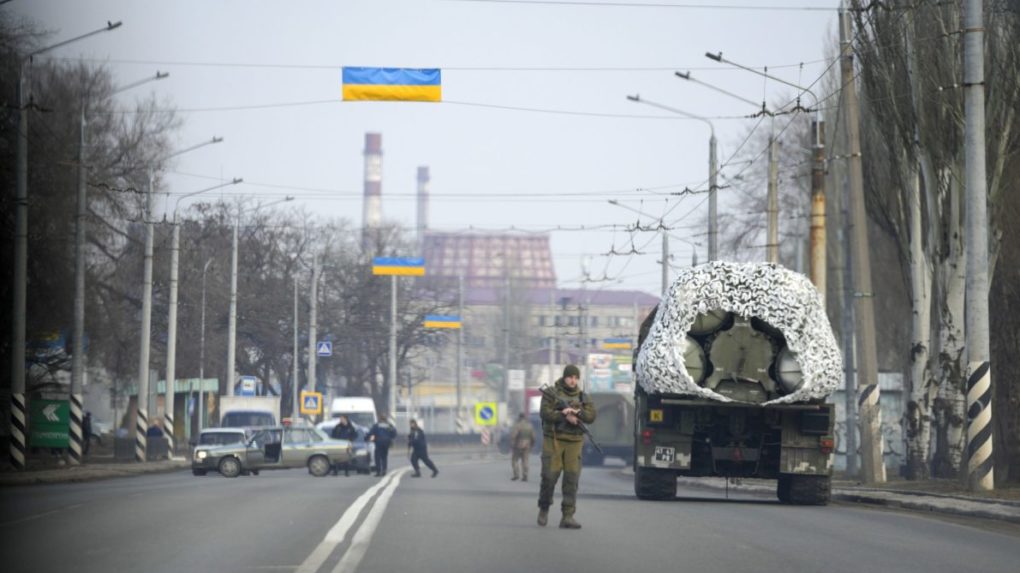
point(646, 436)
point(826, 444)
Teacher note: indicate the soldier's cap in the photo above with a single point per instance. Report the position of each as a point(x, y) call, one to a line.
point(571, 370)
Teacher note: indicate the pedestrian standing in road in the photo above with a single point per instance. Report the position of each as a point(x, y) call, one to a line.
point(522, 438)
point(419, 450)
point(382, 434)
point(562, 438)
point(343, 430)
point(86, 433)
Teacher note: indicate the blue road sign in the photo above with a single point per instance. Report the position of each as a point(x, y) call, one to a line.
point(324, 348)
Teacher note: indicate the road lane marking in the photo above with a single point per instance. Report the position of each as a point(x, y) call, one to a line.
point(359, 544)
point(336, 535)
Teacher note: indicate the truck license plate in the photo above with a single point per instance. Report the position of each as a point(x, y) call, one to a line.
point(664, 454)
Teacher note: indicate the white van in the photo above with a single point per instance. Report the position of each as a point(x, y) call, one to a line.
point(360, 410)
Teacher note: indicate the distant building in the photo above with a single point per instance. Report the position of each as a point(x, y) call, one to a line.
point(514, 317)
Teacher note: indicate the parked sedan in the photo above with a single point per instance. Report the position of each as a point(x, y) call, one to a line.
point(277, 448)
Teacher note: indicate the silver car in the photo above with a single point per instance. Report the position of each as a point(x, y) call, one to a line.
point(276, 448)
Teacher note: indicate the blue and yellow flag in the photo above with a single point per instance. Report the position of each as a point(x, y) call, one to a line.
point(399, 266)
point(616, 344)
point(392, 84)
point(442, 321)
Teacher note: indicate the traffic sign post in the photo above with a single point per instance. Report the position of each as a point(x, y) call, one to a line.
point(324, 348)
point(311, 403)
point(247, 386)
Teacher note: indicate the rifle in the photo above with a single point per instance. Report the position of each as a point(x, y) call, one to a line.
point(560, 405)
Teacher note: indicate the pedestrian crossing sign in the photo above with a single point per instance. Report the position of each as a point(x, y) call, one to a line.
point(311, 402)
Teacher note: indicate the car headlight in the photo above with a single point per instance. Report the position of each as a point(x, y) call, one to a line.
point(201, 454)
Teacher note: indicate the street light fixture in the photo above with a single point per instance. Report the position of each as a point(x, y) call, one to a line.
point(18, 405)
point(78, 346)
point(141, 416)
point(713, 171)
point(171, 338)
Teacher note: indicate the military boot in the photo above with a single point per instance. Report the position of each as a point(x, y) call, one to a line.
point(543, 516)
point(568, 522)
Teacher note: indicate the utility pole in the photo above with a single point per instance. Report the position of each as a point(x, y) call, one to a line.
point(713, 188)
point(872, 465)
point(772, 241)
point(294, 385)
point(201, 355)
point(818, 242)
point(665, 261)
point(78, 348)
point(460, 340)
point(552, 339)
point(227, 385)
point(506, 335)
point(313, 324)
point(142, 410)
point(393, 349)
point(980, 464)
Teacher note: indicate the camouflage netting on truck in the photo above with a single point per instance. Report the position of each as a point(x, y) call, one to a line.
point(785, 299)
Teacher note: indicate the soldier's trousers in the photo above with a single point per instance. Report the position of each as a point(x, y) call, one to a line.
point(519, 459)
point(560, 456)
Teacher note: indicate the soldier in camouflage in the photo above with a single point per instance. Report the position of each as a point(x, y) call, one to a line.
point(562, 440)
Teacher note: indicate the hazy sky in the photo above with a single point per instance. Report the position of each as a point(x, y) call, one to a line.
point(534, 132)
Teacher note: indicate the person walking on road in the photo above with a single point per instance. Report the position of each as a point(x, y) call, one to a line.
point(382, 434)
point(522, 438)
point(344, 430)
point(419, 450)
point(562, 439)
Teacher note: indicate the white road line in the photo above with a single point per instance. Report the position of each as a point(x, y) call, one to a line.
point(359, 544)
point(335, 536)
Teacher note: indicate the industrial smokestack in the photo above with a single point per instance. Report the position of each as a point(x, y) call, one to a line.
point(423, 205)
point(371, 217)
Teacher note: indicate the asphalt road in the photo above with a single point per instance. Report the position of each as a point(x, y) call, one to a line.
point(470, 518)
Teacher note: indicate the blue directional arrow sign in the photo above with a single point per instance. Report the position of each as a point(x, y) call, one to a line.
point(485, 413)
point(324, 348)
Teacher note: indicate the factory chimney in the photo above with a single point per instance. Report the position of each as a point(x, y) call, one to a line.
point(423, 205)
point(371, 217)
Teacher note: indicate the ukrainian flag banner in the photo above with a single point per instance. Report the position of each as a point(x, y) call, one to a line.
point(399, 266)
point(616, 344)
point(441, 321)
point(392, 84)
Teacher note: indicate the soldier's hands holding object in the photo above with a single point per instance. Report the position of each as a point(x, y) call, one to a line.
point(571, 417)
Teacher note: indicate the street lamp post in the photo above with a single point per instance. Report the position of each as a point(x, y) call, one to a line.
point(232, 327)
point(713, 172)
point(171, 337)
point(201, 353)
point(141, 417)
point(78, 345)
point(18, 403)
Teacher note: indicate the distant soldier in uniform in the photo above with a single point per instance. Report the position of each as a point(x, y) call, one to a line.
point(419, 450)
point(522, 438)
point(382, 433)
point(562, 440)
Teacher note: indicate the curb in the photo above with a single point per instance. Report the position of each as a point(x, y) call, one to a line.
point(89, 472)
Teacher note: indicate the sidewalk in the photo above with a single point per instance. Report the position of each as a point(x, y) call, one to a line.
point(939, 496)
point(43, 472)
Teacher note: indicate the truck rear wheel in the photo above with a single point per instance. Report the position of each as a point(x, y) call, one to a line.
point(797, 489)
point(656, 484)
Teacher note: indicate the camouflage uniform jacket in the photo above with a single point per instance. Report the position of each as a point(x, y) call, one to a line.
point(554, 423)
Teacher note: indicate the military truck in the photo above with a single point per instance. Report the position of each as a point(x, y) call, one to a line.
point(732, 370)
point(613, 429)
